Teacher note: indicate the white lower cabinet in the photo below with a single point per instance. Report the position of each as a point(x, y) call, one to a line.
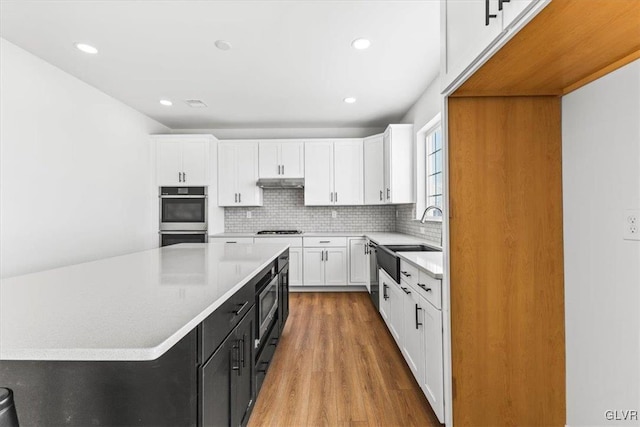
point(295, 266)
point(432, 383)
point(314, 266)
point(325, 266)
point(358, 262)
point(416, 325)
point(414, 332)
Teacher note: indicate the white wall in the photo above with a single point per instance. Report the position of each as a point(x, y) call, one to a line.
point(601, 178)
point(76, 169)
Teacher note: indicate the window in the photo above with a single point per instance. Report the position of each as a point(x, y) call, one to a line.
point(434, 175)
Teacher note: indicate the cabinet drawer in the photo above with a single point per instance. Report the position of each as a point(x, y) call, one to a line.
point(231, 239)
point(325, 242)
point(222, 321)
point(294, 242)
point(431, 289)
point(264, 359)
point(409, 273)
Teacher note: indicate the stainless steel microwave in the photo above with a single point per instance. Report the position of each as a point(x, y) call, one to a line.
point(183, 209)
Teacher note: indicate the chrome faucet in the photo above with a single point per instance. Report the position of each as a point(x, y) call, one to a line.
point(424, 217)
point(426, 211)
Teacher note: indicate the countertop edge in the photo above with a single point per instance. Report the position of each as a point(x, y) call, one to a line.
point(138, 354)
point(420, 267)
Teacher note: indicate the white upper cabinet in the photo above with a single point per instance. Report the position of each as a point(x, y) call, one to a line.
point(374, 170)
point(333, 173)
point(318, 180)
point(182, 159)
point(398, 164)
point(237, 174)
point(470, 28)
point(281, 159)
point(348, 172)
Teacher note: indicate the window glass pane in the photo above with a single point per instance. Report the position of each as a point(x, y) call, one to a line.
point(437, 163)
point(438, 202)
point(437, 184)
point(437, 139)
point(431, 184)
point(431, 201)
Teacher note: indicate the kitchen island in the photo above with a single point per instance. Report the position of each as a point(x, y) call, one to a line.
point(133, 339)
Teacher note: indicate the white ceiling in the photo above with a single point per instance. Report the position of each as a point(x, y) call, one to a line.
point(291, 63)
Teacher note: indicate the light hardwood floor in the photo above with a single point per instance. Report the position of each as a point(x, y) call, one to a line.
point(337, 365)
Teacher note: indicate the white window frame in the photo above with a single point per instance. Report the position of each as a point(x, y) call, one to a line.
point(421, 167)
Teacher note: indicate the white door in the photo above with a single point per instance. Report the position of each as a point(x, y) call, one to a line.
point(318, 180)
point(467, 33)
point(195, 162)
point(386, 170)
point(434, 370)
point(374, 170)
point(169, 162)
point(358, 262)
point(292, 159)
point(295, 266)
point(335, 272)
point(269, 163)
point(348, 172)
point(247, 174)
point(413, 340)
point(227, 173)
point(313, 266)
point(385, 306)
point(514, 10)
point(396, 307)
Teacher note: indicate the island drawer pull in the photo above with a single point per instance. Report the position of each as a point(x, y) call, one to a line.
point(242, 306)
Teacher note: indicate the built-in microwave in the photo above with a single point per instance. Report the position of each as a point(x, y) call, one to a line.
point(183, 209)
point(266, 304)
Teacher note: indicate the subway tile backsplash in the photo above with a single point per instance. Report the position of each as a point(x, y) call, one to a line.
point(284, 209)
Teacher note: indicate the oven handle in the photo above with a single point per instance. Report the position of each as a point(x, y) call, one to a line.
point(186, 196)
point(182, 232)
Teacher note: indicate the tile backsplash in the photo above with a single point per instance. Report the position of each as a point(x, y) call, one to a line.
point(285, 209)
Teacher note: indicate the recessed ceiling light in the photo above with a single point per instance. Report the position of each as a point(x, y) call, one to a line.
point(166, 102)
point(86, 48)
point(349, 100)
point(360, 44)
point(223, 44)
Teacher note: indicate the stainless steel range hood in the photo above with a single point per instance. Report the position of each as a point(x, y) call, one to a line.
point(280, 183)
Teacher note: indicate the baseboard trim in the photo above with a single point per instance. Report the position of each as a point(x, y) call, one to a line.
point(328, 289)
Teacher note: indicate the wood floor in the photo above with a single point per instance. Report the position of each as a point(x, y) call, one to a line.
point(337, 365)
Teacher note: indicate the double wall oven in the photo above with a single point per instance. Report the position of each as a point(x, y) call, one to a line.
point(183, 215)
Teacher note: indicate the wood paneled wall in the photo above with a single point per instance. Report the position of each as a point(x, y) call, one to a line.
point(506, 257)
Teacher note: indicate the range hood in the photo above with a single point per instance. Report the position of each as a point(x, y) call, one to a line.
point(280, 183)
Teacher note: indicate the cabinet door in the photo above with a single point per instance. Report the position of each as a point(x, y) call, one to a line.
point(318, 180)
point(385, 296)
point(467, 33)
point(348, 172)
point(247, 174)
point(169, 162)
point(386, 169)
point(434, 369)
point(413, 339)
point(358, 262)
point(242, 383)
point(195, 162)
point(227, 172)
point(215, 387)
point(295, 266)
point(269, 160)
point(313, 266)
point(292, 159)
point(396, 307)
point(374, 170)
point(335, 272)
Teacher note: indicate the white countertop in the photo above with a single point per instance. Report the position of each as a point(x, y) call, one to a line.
point(129, 307)
point(430, 262)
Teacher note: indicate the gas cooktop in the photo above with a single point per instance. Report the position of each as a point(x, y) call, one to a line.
point(279, 232)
